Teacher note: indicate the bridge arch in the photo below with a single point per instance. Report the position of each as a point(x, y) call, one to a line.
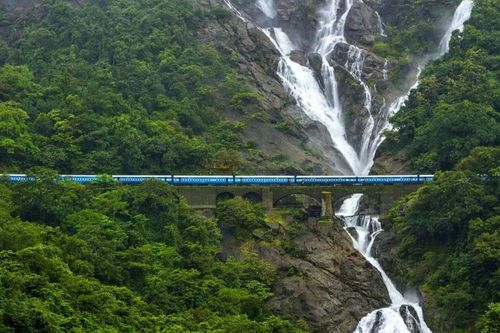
point(223, 196)
point(296, 198)
point(253, 197)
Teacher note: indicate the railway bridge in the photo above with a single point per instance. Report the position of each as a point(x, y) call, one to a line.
point(381, 197)
point(324, 192)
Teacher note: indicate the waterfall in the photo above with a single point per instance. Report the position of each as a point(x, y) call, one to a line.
point(380, 24)
point(268, 7)
point(404, 315)
point(319, 98)
point(462, 14)
point(385, 70)
point(320, 101)
point(322, 105)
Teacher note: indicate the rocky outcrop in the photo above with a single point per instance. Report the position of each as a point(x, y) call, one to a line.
point(391, 164)
point(384, 249)
point(324, 280)
point(362, 25)
point(410, 317)
point(299, 18)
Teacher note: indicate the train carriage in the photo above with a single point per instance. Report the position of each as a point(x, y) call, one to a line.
point(264, 180)
point(202, 180)
point(326, 180)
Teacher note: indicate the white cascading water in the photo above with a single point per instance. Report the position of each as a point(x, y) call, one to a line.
point(462, 14)
point(405, 315)
point(267, 7)
point(380, 24)
point(399, 317)
point(320, 100)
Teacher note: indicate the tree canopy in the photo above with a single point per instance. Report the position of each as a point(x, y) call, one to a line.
point(116, 87)
point(115, 258)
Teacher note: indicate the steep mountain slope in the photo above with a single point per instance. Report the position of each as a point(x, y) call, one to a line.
point(266, 131)
point(127, 87)
point(457, 106)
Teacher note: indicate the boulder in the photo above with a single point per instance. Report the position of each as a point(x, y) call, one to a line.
point(299, 57)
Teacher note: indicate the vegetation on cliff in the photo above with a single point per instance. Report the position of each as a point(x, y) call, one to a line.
point(449, 230)
point(449, 243)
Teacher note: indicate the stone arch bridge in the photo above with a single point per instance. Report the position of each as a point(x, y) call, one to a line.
point(379, 196)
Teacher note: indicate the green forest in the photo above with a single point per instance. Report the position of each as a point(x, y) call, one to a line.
point(117, 87)
point(114, 258)
point(124, 86)
point(449, 231)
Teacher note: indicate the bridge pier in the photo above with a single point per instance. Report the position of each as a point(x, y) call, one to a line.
point(326, 204)
point(267, 199)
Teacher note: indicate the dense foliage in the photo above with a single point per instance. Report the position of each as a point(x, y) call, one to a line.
point(449, 231)
point(457, 105)
point(112, 258)
point(115, 87)
point(240, 216)
point(449, 236)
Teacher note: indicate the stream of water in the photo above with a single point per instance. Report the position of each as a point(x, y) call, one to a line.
point(319, 98)
point(404, 315)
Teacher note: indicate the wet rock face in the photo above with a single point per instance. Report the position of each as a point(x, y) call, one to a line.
point(325, 281)
point(410, 318)
point(299, 57)
point(379, 321)
point(299, 18)
point(362, 25)
point(384, 249)
point(315, 62)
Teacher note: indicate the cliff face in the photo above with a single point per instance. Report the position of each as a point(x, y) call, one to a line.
point(330, 284)
point(322, 279)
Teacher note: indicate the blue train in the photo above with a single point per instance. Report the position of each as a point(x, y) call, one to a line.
point(243, 180)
